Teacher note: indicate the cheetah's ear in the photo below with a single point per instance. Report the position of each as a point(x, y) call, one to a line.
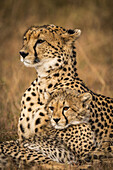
point(72, 34)
point(85, 98)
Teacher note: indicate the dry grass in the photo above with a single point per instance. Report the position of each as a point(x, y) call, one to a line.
point(94, 57)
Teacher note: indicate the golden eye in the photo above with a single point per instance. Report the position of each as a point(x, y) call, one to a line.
point(65, 108)
point(39, 41)
point(51, 108)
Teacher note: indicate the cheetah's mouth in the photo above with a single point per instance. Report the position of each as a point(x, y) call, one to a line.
point(27, 63)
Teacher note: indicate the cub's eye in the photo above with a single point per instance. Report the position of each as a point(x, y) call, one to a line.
point(65, 108)
point(39, 41)
point(51, 108)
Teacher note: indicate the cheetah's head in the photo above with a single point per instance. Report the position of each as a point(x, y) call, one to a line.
point(43, 45)
point(68, 108)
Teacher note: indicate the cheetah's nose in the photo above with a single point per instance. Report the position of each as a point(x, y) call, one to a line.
point(56, 120)
point(23, 54)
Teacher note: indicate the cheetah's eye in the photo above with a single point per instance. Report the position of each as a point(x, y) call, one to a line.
point(25, 39)
point(65, 108)
point(39, 41)
point(51, 108)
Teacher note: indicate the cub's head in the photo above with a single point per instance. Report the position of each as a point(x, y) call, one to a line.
point(44, 45)
point(68, 108)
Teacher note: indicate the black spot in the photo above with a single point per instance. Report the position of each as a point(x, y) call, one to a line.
point(64, 69)
point(99, 109)
point(37, 121)
point(61, 85)
point(29, 89)
point(33, 94)
point(36, 130)
point(59, 60)
point(50, 85)
point(24, 94)
point(103, 103)
point(28, 157)
point(56, 64)
point(65, 62)
point(66, 78)
point(111, 107)
point(28, 99)
point(111, 135)
point(27, 118)
point(93, 127)
point(76, 85)
point(41, 114)
point(75, 62)
point(104, 109)
point(31, 104)
point(99, 124)
point(105, 124)
point(108, 110)
point(106, 131)
point(102, 126)
point(69, 68)
point(40, 90)
point(29, 110)
point(28, 126)
point(67, 84)
point(107, 116)
point(22, 128)
point(102, 119)
point(97, 130)
point(75, 69)
point(59, 154)
point(106, 105)
point(109, 149)
point(56, 74)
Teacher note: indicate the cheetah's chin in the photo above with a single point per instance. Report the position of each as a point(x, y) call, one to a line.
point(60, 127)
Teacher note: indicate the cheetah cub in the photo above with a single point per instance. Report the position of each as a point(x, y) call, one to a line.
point(68, 107)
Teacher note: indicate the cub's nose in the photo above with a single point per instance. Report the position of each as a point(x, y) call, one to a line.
point(56, 120)
point(23, 54)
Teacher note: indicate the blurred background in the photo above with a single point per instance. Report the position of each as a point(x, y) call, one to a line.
point(94, 57)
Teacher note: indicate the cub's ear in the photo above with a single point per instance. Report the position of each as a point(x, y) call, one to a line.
point(72, 92)
point(85, 98)
point(71, 34)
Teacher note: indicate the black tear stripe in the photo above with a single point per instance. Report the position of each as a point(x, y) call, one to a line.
point(34, 47)
point(65, 117)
